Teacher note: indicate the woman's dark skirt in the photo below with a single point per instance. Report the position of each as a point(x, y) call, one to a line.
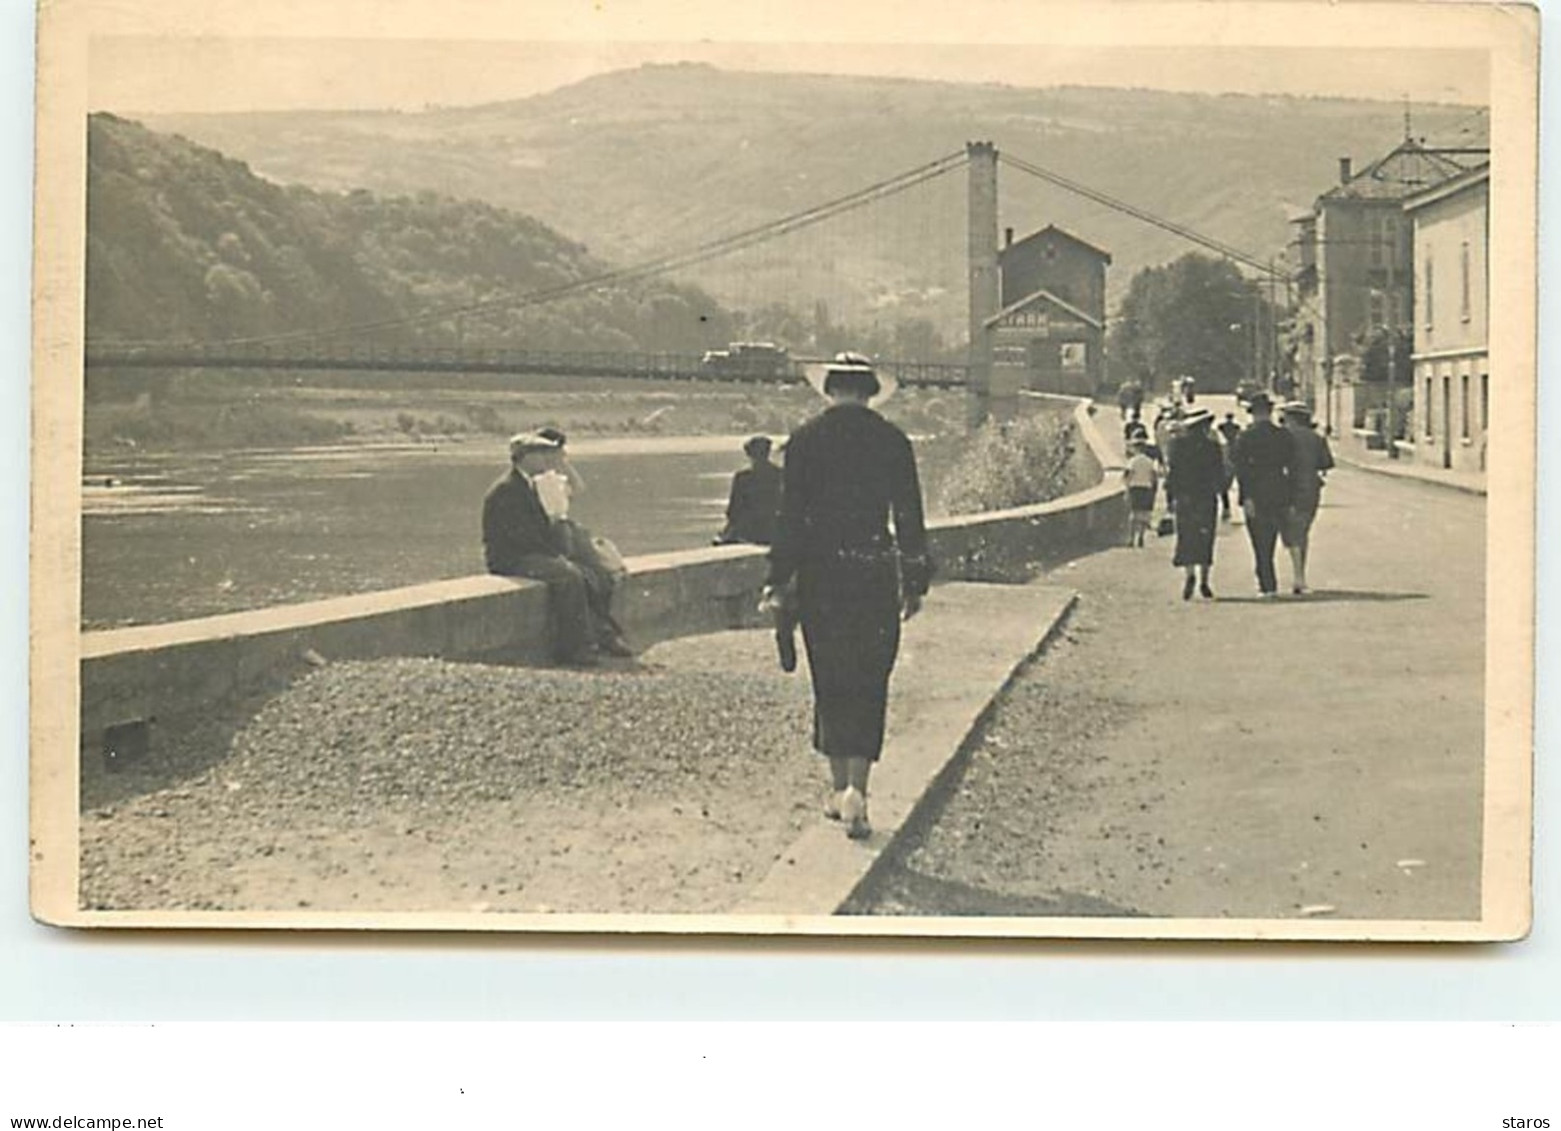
point(1196, 520)
point(850, 615)
point(1140, 499)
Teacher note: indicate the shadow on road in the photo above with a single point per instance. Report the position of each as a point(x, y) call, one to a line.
point(1325, 596)
point(910, 892)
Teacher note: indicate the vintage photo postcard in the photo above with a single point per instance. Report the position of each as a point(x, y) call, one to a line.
point(1029, 470)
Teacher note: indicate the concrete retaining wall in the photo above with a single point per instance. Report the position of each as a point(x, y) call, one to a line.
point(165, 672)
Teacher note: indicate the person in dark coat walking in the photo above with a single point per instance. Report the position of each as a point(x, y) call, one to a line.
point(1265, 458)
point(1194, 482)
point(848, 472)
point(754, 504)
point(1313, 461)
point(521, 539)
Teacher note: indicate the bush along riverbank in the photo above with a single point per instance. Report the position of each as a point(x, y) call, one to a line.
point(1014, 464)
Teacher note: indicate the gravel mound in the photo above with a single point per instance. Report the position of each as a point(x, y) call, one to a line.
point(421, 785)
point(355, 736)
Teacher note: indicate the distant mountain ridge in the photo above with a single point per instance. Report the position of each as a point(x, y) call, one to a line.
point(633, 163)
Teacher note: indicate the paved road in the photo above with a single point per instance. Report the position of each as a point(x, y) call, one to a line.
point(1315, 756)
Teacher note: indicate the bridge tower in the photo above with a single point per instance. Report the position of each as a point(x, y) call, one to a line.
point(984, 282)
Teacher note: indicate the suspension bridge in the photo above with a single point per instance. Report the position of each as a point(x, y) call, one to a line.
point(389, 358)
point(742, 269)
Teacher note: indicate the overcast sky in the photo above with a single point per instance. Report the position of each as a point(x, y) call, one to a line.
point(146, 74)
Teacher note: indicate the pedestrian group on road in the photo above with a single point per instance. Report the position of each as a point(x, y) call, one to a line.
point(1279, 472)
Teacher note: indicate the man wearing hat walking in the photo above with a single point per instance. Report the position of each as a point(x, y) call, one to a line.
point(848, 473)
point(1264, 459)
point(521, 539)
point(1312, 461)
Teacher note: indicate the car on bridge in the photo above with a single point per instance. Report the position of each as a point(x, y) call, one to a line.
point(747, 361)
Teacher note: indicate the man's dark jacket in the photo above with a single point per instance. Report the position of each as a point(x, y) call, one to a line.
point(754, 506)
point(1263, 458)
point(514, 525)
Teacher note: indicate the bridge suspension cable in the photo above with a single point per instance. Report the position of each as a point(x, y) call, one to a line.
point(1186, 233)
point(674, 261)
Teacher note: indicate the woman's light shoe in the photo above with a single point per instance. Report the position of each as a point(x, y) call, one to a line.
point(832, 805)
point(853, 810)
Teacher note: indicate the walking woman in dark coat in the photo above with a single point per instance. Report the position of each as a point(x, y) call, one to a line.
point(848, 472)
point(1195, 480)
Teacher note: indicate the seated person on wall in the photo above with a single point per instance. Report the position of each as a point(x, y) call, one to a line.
point(557, 486)
point(521, 539)
point(755, 500)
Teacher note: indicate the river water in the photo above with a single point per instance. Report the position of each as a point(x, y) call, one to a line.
point(168, 537)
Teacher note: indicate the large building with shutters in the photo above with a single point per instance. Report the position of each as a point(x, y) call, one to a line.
point(1451, 233)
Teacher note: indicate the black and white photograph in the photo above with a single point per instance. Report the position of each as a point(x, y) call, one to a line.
point(1074, 478)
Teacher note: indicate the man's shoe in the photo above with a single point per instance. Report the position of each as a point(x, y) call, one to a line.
point(617, 646)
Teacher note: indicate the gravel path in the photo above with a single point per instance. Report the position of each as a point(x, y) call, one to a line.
point(422, 785)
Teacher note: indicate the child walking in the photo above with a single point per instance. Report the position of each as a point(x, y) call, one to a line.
point(1143, 480)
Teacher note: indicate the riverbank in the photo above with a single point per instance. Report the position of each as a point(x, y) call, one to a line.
point(226, 411)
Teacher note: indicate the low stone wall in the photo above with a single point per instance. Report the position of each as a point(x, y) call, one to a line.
point(167, 672)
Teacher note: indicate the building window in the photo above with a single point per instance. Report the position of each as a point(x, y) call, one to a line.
point(1463, 281)
point(1428, 414)
point(1485, 401)
point(1375, 311)
point(1430, 293)
point(1463, 405)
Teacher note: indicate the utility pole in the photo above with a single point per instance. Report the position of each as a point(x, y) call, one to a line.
point(1256, 337)
point(984, 282)
point(1273, 323)
point(1391, 302)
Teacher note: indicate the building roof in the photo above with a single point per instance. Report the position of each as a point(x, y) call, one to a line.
point(1409, 169)
point(1478, 175)
point(1036, 298)
point(1069, 236)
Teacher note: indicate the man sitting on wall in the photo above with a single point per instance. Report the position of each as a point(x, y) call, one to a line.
point(521, 539)
point(754, 505)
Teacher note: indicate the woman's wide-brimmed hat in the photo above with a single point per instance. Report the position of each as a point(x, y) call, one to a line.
point(851, 365)
point(1296, 408)
point(1196, 417)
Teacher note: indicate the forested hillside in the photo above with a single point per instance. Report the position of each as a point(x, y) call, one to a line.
point(184, 243)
